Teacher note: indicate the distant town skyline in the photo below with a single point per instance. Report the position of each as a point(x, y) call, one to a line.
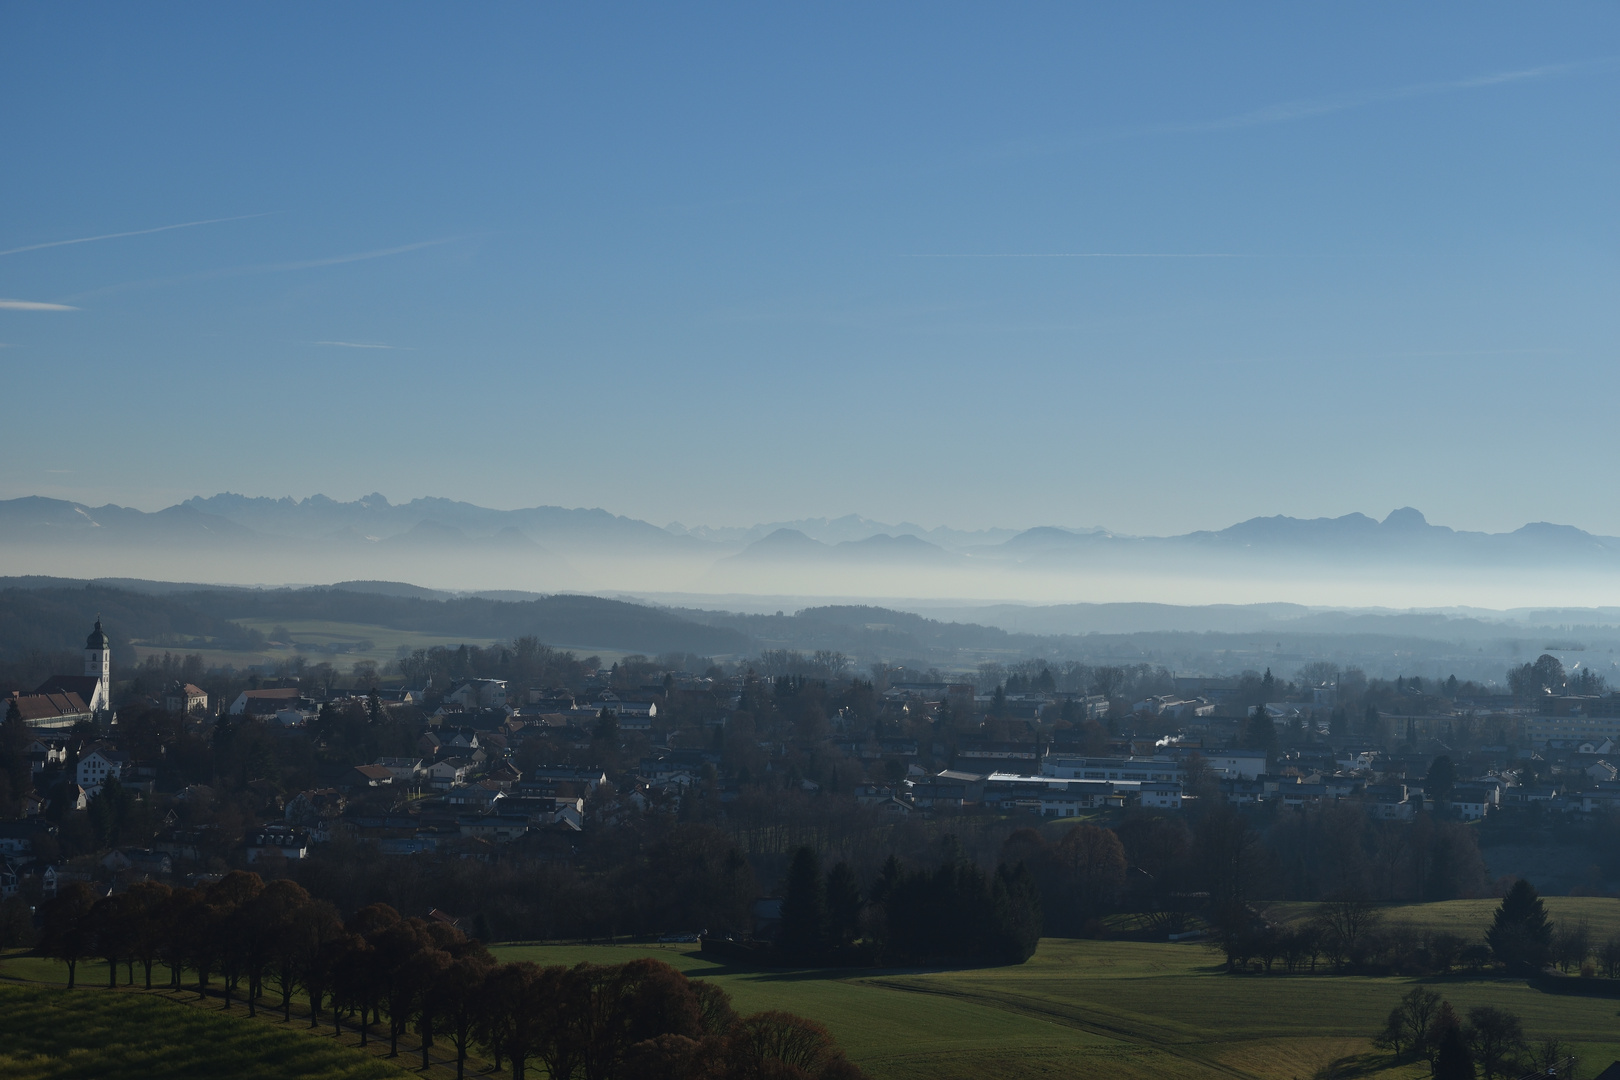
point(1157, 270)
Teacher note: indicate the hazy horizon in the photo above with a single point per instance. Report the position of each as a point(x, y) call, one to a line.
point(1401, 562)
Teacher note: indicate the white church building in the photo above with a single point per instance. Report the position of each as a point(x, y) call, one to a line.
point(63, 700)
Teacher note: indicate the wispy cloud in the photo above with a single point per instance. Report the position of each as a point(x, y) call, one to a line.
point(1086, 255)
point(338, 260)
point(267, 268)
point(33, 305)
point(358, 344)
point(121, 235)
point(1299, 109)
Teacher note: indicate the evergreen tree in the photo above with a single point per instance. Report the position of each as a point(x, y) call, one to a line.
point(804, 907)
point(1521, 936)
point(1442, 777)
point(1260, 732)
point(1452, 1061)
point(843, 905)
point(1016, 902)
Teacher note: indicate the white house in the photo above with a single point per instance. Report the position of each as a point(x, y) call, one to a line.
point(1600, 771)
point(1237, 764)
point(450, 771)
point(1472, 802)
point(186, 699)
point(479, 694)
point(1159, 795)
point(404, 769)
point(96, 765)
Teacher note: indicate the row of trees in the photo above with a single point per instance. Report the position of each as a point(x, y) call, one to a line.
point(1489, 1043)
point(641, 1019)
point(1349, 933)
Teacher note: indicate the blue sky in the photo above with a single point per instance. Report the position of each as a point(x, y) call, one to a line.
point(722, 264)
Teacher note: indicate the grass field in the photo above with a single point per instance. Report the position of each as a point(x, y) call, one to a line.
point(1128, 1010)
point(89, 1034)
point(1471, 918)
point(1112, 1009)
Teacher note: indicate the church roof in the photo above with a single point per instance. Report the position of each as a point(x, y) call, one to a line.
point(48, 706)
point(97, 639)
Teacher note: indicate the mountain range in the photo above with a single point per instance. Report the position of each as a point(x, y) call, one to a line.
point(448, 544)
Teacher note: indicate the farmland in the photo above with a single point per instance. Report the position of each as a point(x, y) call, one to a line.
point(1471, 918)
point(1115, 1009)
point(1076, 1009)
point(53, 1034)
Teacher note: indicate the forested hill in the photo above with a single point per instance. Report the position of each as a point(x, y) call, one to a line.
point(578, 620)
point(54, 617)
point(865, 631)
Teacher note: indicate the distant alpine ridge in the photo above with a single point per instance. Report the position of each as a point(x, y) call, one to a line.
point(448, 543)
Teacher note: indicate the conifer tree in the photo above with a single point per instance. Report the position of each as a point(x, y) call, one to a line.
point(804, 907)
point(1521, 935)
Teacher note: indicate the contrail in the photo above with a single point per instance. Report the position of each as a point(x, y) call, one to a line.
point(33, 305)
point(121, 235)
point(1295, 110)
point(1089, 255)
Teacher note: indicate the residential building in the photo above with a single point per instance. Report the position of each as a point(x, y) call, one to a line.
point(270, 840)
point(185, 699)
point(1237, 764)
point(371, 776)
point(96, 765)
point(1135, 769)
point(264, 702)
point(1160, 795)
point(479, 693)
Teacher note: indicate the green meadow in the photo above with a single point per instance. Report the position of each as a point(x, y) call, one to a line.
point(47, 1033)
point(1471, 918)
point(1110, 1009)
point(1113, 1009)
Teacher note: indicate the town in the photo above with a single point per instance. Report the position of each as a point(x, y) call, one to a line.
point(172, 772)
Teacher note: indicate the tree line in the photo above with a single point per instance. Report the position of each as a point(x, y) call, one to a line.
point(590, 1021)
point(1349, 933)
point(955, 912)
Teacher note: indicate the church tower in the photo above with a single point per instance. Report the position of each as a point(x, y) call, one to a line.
point(98, 666)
